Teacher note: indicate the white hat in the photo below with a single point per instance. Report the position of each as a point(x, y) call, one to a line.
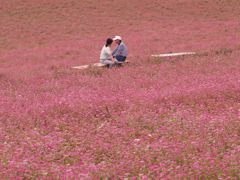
point(117, 38)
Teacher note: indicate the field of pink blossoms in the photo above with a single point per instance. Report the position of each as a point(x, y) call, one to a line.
point(175, 118)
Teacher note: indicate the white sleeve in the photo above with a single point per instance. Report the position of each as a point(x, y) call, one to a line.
point(109, 51)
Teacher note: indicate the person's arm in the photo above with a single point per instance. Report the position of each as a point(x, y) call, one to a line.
point(111, 54)
point(113, 60)
point(114, 53)
point(120, 50)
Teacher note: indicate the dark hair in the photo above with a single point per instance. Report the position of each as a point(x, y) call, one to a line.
point(108, 42)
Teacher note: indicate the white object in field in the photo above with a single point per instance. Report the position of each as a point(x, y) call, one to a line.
point(173, 54)
point(95, 65)
point(99, 65)
point(81, 67)
point(102, 125)
point(87, 66)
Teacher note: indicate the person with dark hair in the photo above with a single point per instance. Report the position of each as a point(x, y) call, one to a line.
point(120, 52)
point(106, 54)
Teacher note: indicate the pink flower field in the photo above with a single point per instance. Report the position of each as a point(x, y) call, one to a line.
point(154, 118)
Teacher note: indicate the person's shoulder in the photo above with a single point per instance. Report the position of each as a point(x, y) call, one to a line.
point(123, 44)
point(105, 47)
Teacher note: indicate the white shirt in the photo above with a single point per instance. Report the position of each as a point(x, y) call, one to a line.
point(105, 53)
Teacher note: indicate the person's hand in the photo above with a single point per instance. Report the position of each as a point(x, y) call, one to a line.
point(113, 60)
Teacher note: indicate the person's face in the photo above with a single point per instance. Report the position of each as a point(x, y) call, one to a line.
point(117, 41)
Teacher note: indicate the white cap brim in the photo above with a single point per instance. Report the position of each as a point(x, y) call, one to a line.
point(117, 38)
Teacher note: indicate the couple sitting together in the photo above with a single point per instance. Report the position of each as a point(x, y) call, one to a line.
point(118, 55)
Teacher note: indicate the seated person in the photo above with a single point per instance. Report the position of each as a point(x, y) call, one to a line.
point(120, 52)
point(106, 54)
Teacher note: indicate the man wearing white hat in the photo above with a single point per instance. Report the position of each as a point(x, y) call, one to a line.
point(120, 52)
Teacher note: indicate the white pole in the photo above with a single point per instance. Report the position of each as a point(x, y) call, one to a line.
point(173, 54)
